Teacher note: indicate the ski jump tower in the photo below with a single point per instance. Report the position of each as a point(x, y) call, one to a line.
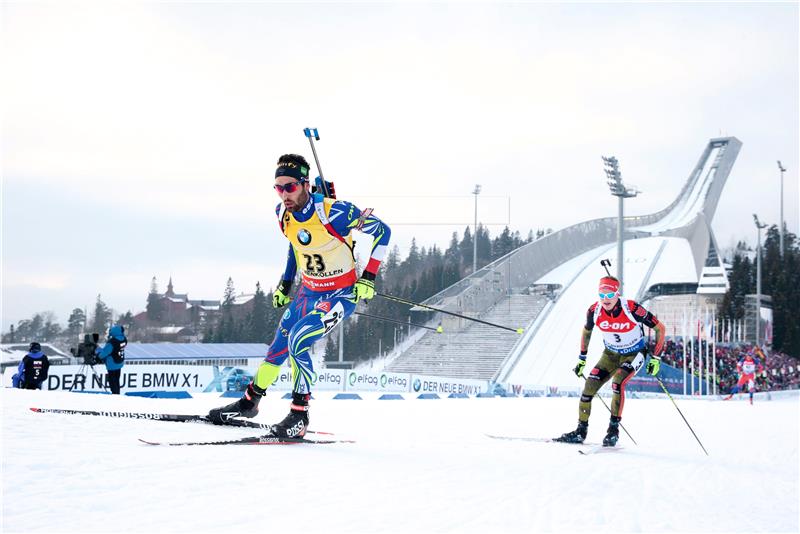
point(671, 252)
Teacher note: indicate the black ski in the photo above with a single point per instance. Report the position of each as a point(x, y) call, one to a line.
point(252, 440)
point(169, 417)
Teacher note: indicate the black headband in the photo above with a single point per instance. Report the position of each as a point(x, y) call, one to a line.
point(295, 170)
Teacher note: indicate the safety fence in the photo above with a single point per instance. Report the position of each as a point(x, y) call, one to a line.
point(231, 381)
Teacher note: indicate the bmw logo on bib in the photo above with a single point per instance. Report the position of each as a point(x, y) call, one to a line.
point(304, 236)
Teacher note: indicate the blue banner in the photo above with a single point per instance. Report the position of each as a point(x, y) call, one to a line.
point(671, 377)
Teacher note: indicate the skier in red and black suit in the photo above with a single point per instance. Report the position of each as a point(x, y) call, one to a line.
point(621, 323)
point(747, 368)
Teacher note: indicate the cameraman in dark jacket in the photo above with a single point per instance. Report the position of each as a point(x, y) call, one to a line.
point(113, 355)
point(32, 370)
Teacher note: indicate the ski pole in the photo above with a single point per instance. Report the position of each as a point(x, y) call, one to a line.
point(606, 263)
point(438, 329)
point(410, 303)
point(679, 411)
point(311, 134)
point(609, 411)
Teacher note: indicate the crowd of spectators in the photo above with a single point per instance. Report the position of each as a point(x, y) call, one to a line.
point(781, 370)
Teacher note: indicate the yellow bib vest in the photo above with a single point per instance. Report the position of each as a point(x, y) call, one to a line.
point(326, 263)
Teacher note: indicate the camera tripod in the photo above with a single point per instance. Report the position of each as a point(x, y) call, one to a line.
point(82, 371)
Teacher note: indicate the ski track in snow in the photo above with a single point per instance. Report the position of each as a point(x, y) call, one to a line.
point(417, 466)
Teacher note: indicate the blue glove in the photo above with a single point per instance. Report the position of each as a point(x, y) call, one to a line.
point(581, 364)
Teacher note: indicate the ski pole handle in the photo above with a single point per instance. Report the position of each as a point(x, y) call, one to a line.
point(311, 134)
point(606, 263)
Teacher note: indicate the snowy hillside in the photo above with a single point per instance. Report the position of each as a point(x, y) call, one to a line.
point(417, 466)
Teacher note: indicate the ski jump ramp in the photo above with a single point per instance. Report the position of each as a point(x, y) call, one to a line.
point(672, 251)
point(669, 248)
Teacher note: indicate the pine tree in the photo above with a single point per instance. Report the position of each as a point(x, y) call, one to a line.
point(258, 324)
point(780, 280)
point(227, 329)
point(35, 327)
point(452, 262)
point(414, 257)
point(392, 260)
point(789, 341)
point(502, 244)
point(155, 308)
point(102, 316)
point(484, 246)
point(51, 328)
point(76, 322)
point(741, 281)
point(465, 246)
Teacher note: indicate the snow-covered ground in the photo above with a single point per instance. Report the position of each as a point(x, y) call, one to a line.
point(417, 466)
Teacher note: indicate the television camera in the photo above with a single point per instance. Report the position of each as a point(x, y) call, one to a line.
point(86, 350)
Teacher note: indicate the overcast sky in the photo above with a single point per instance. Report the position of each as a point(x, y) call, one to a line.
point(139, 139)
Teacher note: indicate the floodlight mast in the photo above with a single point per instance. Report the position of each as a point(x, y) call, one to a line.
point(759, 226)
point(475, 192)
point(783, 170)
point(621, 191)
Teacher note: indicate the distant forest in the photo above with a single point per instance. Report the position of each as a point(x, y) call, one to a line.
point(780, 278)
point(426, 271)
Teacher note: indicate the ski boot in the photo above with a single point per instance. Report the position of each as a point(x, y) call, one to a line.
point(612, 434)
point(576, 436)
point(295, 424)
point(247, 406)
